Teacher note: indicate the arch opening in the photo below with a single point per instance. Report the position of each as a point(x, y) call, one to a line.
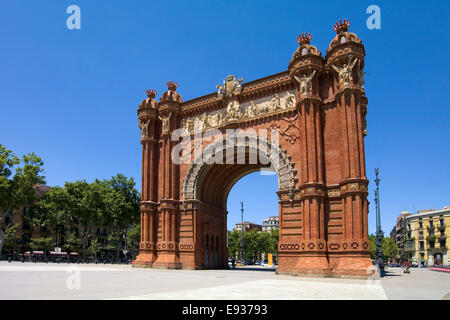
point(209, 185)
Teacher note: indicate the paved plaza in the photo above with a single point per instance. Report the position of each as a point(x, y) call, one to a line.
point(61, 281)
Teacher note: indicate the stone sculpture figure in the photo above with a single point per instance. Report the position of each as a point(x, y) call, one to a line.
point(216, 119)
point(233, 111)
point(252, 110)
point(345, 73)
point(206, 118)
point(305, 82)
point(289, 101)
point(198, 124)
point(143, 125)
point(165, 123)
point(274, 103)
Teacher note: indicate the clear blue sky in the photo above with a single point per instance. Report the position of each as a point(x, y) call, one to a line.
point(71, 95)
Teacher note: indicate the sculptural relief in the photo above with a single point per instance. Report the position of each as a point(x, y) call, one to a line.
point(252, 110)
point(345, 73)
point(237, 112)
point(165, 123)
point(305, 83)
point(143, 125)
point(289, 101)
point(275, 103)
point(233, 111)
point(216, 119)
point(230, 87)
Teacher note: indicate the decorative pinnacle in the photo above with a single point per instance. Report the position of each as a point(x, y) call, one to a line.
point(341, 26)
point(151, 93)
point(172, 85)
point(304, 38)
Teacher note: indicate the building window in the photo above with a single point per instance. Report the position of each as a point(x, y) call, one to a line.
point(441, 222)
point(26, 237)
point(420, 225)
point(421, 245)
point(26, 226)
point(432, 244)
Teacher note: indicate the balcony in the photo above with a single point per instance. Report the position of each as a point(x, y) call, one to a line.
point(431, 238)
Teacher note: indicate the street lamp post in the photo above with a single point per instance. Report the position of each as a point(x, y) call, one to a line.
point(242, 232)
point(379, 234)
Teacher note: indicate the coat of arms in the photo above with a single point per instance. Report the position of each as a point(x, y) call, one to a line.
point(230, 86)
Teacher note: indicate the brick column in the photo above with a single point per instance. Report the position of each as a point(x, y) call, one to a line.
point(147, 114)
point(167, 247)
point(313, 245)
point(355, 245)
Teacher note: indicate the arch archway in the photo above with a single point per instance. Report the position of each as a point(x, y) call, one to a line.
point(207, 185)
point(318, 106)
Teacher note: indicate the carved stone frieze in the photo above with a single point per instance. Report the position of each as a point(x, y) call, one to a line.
point(236, 111)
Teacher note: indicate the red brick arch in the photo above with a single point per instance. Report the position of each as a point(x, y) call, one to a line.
point(318, 107)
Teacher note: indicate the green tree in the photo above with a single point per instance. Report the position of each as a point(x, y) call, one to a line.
point(390, 249)
point(43, 244)
point(48, 213)
point(17, 182)
point(94, 248)
point(274, 237)
point(134, 238)
point(121, 208)
point(388, 246)
point(10, 238)
point(72, 243)
point(234, 246)
point(263, 244)
point(251, 248)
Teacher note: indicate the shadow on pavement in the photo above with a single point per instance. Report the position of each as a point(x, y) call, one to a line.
point(255, 269)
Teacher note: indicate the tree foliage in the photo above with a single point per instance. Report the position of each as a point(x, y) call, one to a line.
point(43, 243)
point(388, 246)
point(255, 243)
point(18, 178)
point(111, 203)
point(390, 249)
point(10, 238)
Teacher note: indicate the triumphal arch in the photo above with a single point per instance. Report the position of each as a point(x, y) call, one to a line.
point(310, 124)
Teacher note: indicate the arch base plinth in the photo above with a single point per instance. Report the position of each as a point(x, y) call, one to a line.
point(144, 260)
point(304, 265)
point(167, 261)
point(354, 267)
